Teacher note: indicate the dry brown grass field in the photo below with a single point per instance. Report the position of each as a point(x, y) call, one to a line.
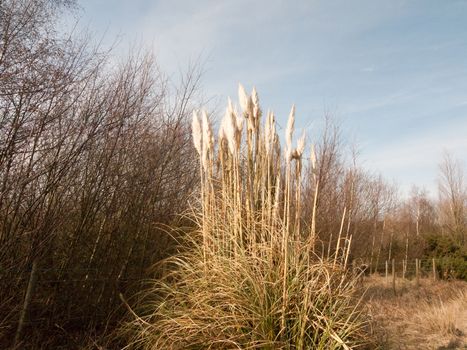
point(431, 316)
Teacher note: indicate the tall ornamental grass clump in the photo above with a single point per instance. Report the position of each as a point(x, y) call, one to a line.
point(248, 277)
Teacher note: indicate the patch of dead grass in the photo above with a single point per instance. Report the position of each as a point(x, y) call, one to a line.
point(431, 316)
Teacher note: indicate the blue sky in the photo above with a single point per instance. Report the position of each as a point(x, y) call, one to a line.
point(394, 73)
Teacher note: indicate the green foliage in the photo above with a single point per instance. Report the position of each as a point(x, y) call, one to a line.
point(453, 267)
point(451, 256)
point(441, 246)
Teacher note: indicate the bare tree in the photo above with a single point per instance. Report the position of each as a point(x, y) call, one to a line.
point(452, 197)
point(93, 164)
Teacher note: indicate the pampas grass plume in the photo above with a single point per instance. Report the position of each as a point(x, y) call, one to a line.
point(207, 141)
point(301, 145)
point(244, 100)
point(256, 107)
point(221, 134)
point(289, 131)
point(238, 119)
point(229, 125)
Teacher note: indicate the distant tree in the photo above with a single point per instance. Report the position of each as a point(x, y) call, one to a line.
point(452, 197)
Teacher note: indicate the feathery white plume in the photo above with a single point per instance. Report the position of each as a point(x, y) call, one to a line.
point(289, 131)
point(230, 106)
point(239, 121)
point(243, 98)
point(207, 139)
point(207, 131)
point(273, 127)
point(221, 134)
point(254, 97)
point(196, 132)
point(269, 131)
point(229, 126)
point(277, 144)
point(297, 152)
point(256, 110)
point(301, 144)
point(245, 101)
point(255, 102)
point(233, 111)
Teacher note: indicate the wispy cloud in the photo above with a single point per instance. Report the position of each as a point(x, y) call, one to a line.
point(394, 70)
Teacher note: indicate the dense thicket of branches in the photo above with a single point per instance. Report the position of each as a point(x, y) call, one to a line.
point(93, 161)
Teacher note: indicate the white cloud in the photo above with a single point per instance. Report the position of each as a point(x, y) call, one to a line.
point(385, 65)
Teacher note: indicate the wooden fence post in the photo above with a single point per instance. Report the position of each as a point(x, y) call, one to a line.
point(404, 267)
point(417, 272)
point(434, 269)
point(394, 277)
point(386, 264)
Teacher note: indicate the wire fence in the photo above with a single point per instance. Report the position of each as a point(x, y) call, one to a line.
point(410, 268)
point(401, 274)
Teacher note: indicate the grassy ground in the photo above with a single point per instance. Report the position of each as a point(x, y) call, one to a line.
point(431, 316)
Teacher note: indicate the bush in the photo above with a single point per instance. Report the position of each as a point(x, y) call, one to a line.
point(238, 303)
point(452, 267)
point(249, 278)
point(451, 257)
